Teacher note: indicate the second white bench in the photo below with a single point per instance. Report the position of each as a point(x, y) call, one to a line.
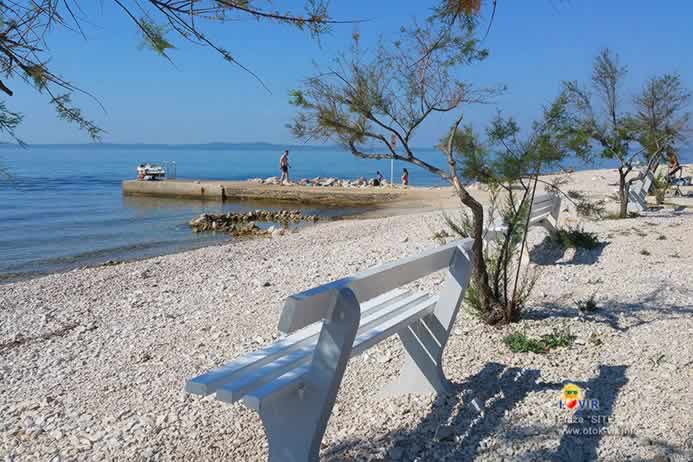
point(544, 212)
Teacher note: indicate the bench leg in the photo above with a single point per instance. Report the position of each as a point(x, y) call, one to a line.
point(295, 421)
point(424, 342)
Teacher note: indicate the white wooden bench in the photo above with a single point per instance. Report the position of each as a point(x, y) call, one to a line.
point(637, 193)
point(293, 383)
point(544, 212)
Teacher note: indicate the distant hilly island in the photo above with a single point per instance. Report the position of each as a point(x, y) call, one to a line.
point(206, 146)
point(216, 146)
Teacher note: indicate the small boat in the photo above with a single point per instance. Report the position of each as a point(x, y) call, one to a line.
point(150, 172)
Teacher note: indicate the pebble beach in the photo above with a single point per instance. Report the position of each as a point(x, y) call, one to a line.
point(93, 361)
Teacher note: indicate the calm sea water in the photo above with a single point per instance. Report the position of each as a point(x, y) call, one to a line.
point(63, 207)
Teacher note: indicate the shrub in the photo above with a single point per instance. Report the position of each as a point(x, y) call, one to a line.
point(575, 238)
point(558, 339)
point(585, 208)
point(645, 252)
point(519, 342)
point(509, 288)
point(587, 305)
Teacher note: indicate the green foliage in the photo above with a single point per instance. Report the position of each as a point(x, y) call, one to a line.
point(371, 95)
point(660, 184)
point(558, 339)
point(587, 305)
point(440, 236)
point(661, 119)
point(609, 127)
point(66, 111)
point(9, 121)
point(507, 157)
point(501, 257)
point(575, 238)
point(153, 36)
point(519, 342)
point(26, 26)
point(594, 209)
point(38, 74)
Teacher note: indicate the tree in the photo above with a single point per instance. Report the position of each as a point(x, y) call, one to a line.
point(607, 125)
point(25, 27)
point(661, 114)
point(365, 101)
point(510, 165)
point(614, 131)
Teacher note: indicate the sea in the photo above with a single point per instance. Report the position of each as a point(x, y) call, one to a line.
point(62, 207)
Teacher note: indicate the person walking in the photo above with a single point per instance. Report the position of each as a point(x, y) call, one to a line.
point(378, 180)
point(284, 167)
point(405, 177)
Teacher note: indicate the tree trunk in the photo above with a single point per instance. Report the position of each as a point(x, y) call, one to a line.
point(494, 311)
point(622, 194)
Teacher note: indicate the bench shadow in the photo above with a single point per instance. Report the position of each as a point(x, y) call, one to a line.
point(504, 385)
point(548, 253)
point(580, 439)
point(619, 315)
point(477, 409)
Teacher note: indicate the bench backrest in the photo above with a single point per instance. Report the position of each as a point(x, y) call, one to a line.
point(310, 306)
point(637, 193)
point(546, 204)
point(544, 212)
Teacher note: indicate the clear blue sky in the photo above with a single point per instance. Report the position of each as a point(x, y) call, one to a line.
point(533, 46)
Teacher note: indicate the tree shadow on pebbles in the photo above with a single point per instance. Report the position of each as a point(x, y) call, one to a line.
point(459, 423)
point(548, 253)
point(619, 315)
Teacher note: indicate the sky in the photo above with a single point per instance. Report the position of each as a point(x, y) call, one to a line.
point(533, 45)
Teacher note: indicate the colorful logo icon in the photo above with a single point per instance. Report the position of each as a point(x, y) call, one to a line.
point(571, 395)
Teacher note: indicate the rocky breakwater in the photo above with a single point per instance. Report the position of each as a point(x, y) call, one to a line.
point(320, 181)
point(245, 224)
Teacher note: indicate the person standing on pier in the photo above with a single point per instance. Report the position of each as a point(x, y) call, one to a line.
point(284, 167)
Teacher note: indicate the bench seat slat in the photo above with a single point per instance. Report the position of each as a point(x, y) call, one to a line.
point(374, 335)
point(235, 390)
point(207, 383)
point(284, 384)
point(295, 378)
point(253, 377)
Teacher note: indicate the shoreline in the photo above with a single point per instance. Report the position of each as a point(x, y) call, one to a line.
point(411, 201)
